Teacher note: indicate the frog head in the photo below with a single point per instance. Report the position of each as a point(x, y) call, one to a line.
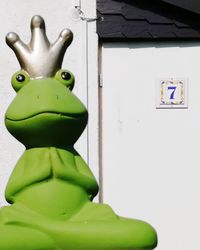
point(44, 112)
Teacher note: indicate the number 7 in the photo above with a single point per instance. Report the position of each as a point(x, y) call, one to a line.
point(173, 88)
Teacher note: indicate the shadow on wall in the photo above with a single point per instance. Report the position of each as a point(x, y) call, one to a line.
point(151, 44)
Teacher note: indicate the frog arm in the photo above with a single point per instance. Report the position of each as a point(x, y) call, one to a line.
point(84, 169)
point(74, 170)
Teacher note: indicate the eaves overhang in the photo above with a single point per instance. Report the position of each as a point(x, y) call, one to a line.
point(191, 5)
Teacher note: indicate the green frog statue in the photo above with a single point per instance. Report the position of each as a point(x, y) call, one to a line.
point(51, 188)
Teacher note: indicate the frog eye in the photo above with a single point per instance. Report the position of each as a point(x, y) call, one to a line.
point(65, 77)
point(19, 79)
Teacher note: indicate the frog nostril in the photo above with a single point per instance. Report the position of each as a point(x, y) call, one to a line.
point(57, 97)
point(38, 97)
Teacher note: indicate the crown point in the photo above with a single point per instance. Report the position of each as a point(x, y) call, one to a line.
point(37, 22)
point(66, 35)
point(11, 38)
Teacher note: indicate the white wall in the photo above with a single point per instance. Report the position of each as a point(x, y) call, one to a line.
point(151, 163)
point(15, 16)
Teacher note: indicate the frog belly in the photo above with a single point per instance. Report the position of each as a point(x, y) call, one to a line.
point(53, 198)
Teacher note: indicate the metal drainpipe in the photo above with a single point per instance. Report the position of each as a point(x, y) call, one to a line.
point(86, 70)
point(80, 14)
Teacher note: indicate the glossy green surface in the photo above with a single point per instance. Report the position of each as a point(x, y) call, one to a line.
point(51, 187)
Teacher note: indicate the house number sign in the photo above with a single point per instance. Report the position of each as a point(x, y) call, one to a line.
point(172, 93)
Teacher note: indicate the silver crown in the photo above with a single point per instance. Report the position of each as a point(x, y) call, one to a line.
point(40, 58)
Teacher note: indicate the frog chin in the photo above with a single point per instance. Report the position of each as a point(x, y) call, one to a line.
point(48, 129)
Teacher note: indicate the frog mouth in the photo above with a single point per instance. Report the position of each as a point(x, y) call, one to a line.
point(50, 114)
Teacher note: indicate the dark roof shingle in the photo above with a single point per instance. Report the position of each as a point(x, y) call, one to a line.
point(133, 19)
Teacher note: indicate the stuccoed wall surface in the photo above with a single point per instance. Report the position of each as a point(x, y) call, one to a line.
point(155, 152)
point(15, 16)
